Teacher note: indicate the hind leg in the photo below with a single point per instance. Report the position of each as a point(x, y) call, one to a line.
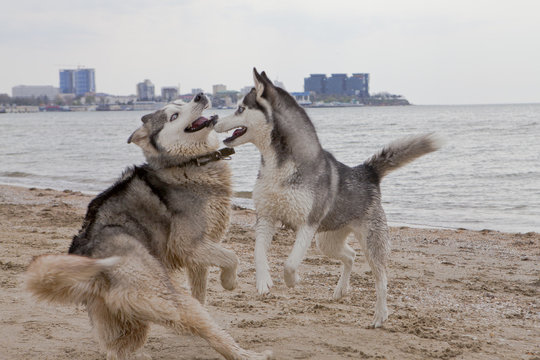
point(193, 318)
point(140, 292)
point(198, 276)
point(121, 332)
point(333, 244)
point(375, 241)
point(119, 336)
point(182, 313)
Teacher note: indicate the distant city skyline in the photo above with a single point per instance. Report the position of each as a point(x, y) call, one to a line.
point(81, 81)
point(432, 52)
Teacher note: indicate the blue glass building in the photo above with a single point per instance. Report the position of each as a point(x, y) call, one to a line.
point(66, 82)
point(358, 84)
point(77, 81)
point(338, 84)
point(315, 83)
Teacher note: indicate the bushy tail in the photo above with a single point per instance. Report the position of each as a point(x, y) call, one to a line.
point(66, 278)
point(401, 152)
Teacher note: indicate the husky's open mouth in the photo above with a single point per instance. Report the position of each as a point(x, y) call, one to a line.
point(236, 134)
point(201, 123)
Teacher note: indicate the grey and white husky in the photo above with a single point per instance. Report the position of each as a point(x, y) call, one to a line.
point(303, 186)
point(167, 214)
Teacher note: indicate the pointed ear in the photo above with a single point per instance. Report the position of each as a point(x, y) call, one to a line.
point(146, 117)
point(265, 77)
point(264, 86)
point(259, 83)
point(138, 135)
point(141, 138)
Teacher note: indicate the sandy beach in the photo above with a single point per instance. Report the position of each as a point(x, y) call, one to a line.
point(453, 294)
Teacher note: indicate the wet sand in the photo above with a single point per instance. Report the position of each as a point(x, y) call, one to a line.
point(453, 294)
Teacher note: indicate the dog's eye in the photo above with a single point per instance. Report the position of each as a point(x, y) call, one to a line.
point(174, 117)
point(240, 109)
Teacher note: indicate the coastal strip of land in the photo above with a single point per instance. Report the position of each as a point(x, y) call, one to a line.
point(451, 294)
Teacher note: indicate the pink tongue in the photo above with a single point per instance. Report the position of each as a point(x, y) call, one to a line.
point(199, 122)
point(238, 132)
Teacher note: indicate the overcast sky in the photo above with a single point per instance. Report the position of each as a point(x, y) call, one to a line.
point(432, 52)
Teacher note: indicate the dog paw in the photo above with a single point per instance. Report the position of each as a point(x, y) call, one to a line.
point(290, 276)
point(264, 283)
point(340, 291)
point(379, 318)
point(229, 280)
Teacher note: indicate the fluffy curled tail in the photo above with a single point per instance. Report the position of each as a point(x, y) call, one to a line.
point(66, 278)
point(401, 152)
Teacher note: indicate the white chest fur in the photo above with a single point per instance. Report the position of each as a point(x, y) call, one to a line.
point(275, 197)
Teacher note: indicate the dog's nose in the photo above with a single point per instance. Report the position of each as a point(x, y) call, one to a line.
point(199, 97)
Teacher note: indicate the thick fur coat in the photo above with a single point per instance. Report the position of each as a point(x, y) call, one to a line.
point(303, 186)
point(165, 215)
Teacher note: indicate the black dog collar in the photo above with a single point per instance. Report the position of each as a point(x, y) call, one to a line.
point(221, 154)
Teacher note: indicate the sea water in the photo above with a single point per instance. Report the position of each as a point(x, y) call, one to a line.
point(487, 175)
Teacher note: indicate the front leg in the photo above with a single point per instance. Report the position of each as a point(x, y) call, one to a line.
point(198, 277)
point(264, 233)
point(199, 255)
point(304, 237)
point(212, 254)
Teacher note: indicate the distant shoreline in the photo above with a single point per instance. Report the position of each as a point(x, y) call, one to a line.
point(157, 105)
point(35, 109)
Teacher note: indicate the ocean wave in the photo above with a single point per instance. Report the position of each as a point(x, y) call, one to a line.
point(17, 174)
point(17, 153)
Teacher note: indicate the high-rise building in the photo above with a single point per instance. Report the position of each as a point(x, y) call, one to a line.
point(67, 85)
point(85, 81)
point(145, 91)
point(77, 81)
point(358, 84)
point(315, 83)
point(169, 93)
point(336, 84)
point(218, 88)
